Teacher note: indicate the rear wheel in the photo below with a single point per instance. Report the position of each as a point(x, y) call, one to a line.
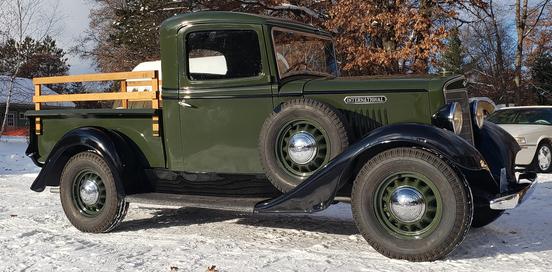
point(409, 204)
point(89, 195)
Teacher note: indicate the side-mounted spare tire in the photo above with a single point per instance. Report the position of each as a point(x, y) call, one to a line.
point(298, 138)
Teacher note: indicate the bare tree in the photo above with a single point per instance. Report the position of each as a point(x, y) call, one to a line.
point(489, 51)
point(20, 19)
point(527, 18)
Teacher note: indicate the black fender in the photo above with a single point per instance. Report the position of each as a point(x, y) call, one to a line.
point(123, 160)
point(318, 191)
point(499, 149)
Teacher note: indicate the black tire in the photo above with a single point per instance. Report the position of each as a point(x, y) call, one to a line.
point(283, 173)
point(109, 209)
point(483, 216)
point(536, 163)
point(450, 213)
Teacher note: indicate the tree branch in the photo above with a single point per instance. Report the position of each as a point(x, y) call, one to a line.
point(536, 22)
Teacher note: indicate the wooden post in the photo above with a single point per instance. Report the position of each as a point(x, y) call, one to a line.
point(155, 103)
point(38, 123)
point(124, 102)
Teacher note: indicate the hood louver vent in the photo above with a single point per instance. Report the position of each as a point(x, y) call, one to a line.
point(366, 120)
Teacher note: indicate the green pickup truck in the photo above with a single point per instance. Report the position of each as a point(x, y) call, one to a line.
point(252, 115)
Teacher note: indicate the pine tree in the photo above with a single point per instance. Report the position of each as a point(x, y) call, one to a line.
point(541, 77)
point(452, 60)
point(38, 59)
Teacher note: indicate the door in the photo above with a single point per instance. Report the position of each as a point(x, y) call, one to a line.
point(225, 96)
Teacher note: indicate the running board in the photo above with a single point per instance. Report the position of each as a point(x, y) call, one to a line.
point(239, 204)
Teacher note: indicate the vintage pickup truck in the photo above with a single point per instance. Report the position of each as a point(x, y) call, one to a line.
point(251, 115)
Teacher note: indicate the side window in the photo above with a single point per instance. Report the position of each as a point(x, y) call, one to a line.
point(535, 116)
point(503, 116)
point(11, 120)
point(223, 54)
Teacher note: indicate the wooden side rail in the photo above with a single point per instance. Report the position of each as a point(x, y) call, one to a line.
point(143, 78)
point(134, 96)
point(96, 77)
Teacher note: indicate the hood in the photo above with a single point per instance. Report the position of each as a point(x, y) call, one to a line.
point(375, 83)
point(525, 130)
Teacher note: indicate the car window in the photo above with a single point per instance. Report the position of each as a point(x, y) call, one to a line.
point(303, 53)
point(223, 54)
point(522, 116)
point(535, 117)
point(503, 116)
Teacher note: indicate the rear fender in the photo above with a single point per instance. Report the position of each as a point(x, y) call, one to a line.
point(121, 157)
point(318, 191)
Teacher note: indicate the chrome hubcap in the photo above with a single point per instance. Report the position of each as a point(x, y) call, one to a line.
point(407, 204)
point(89, 192)
point(302, 147)
point(544, 158)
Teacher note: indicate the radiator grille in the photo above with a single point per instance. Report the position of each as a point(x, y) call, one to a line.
point(461, 96)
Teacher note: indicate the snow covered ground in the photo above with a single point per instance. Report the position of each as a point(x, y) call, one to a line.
point(36, 236)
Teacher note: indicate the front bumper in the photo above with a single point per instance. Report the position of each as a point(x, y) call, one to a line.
point(516, 194)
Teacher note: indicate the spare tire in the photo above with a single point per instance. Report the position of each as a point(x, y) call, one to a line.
point(298, 138)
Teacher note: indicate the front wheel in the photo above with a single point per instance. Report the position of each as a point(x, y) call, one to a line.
point(543, 158)
point(89, 195)
point(409, 204)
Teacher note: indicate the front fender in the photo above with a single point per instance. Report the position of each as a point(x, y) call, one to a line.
point(318, 191)
point(117, 152)
point(499, 150)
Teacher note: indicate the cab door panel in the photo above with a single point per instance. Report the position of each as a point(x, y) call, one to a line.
point(221, 118)
point(220, 130)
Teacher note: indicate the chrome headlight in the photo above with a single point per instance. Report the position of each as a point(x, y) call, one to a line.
point(479, 110)
point(455, 117)
point(449, 117)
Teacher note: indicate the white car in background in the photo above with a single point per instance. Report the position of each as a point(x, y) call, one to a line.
point(531, 126)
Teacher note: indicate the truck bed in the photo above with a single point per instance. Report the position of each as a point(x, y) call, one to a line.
point(140, 125)
point(132, 123)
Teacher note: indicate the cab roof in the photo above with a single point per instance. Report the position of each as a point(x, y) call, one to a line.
point(205, 17)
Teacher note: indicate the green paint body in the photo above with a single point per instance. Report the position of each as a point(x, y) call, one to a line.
point(219, 133)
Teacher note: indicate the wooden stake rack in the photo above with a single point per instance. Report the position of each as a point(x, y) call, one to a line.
point(142, 78)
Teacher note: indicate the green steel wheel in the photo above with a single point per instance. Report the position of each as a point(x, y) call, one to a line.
point(89, 196)
point(410, 204)
point(89, 193)
point(302, 148)
point(297, 139)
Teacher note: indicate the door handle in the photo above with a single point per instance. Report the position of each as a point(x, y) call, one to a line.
point(184, 104)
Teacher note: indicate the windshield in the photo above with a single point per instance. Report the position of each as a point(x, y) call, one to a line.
point(522, 116)
point(300, 53)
